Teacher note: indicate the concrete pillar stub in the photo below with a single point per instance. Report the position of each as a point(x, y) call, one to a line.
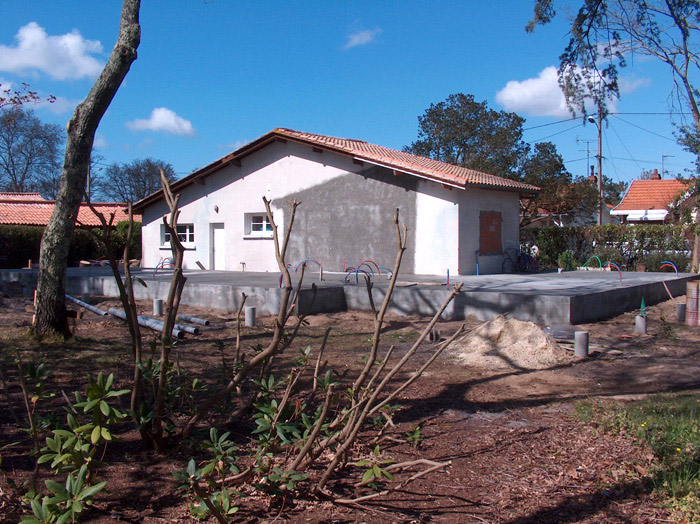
point(250, 316)
point(581, 343)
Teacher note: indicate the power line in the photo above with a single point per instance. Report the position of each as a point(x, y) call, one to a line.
point(641, 113)
point(623, 144)
point(551, 123)
point(648, 131)
point(557, 133)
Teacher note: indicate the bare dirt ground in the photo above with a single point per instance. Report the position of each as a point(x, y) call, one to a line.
point(519, 454)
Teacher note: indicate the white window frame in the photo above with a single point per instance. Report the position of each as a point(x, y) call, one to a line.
point(185, 233)
point(256, 225)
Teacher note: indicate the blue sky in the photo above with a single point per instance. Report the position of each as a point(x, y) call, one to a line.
point(214, 74)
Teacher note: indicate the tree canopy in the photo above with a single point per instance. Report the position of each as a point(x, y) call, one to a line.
point(464, 132)
point(133, 181)
point(30, 152)
point(605, 34)
point(561, 194)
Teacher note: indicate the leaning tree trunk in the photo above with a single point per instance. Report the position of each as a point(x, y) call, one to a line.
point(50, 315)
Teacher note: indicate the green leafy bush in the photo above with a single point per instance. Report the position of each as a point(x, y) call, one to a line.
point(566, 261)
point(19, 244)
point(654, 260)
point(622, 244)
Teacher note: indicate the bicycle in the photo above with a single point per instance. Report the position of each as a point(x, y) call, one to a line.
point(517, 261)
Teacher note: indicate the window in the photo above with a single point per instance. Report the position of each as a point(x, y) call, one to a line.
point(257, 225)
point(185, 232)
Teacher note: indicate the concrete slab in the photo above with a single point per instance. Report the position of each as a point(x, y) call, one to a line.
point(546, 298)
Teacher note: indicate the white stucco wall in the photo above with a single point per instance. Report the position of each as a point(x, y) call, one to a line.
point(437, 227)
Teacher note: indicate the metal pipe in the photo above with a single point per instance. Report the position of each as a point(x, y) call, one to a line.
point(152, 323)
point(193, 320)
point(188, 329)
point(87, 306)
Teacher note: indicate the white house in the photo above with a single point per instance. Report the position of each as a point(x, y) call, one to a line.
point(348, 190)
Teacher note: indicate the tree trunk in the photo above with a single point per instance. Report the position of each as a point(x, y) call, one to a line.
point(50, 315)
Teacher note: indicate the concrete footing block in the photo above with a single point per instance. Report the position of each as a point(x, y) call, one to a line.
point(640, 324)
point(250, 316)
point(581, 343)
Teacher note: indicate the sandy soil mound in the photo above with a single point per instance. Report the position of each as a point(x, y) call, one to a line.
point(508, 344)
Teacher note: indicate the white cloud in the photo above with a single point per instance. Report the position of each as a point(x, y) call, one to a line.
point(165, 120)
point(630, 84)
point(542, 96)
point(62, 57)
point(539, 96)
point(364, 37)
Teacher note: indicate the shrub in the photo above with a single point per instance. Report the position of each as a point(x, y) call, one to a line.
point(622, 244)
point(566, 261)
point(120, 239)
point(654, 260)
point(19, 244)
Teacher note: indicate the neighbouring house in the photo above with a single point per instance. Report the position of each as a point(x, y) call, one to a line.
point(647, 201)
point(349, 190)
point(20, 246)
point(31, 209)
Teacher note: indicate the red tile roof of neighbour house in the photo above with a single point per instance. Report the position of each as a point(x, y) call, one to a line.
point(651, 194)
point(361, 151)
point(31, 209)
point(21, 196)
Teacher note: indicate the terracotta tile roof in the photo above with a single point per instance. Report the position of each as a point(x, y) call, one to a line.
point(413, 164)
point(362, 151)
point(33, 211)
point(21, 196)
point(651, 194)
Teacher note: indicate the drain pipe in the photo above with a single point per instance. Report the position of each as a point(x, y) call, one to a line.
point(152, 323)
point(87, 306)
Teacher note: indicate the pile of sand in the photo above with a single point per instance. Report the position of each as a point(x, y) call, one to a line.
point(508, 344)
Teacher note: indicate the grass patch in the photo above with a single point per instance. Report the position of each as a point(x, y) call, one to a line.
point(669, 424)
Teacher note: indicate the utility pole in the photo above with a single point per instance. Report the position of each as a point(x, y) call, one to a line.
point(599, 156)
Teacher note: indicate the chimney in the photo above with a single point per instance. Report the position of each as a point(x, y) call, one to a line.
point(655, 175)
point(592, 178)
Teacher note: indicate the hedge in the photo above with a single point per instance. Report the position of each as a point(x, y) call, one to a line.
point(19, 244)
point(622, 244)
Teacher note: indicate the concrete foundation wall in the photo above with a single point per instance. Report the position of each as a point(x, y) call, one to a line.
point(544, 299)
